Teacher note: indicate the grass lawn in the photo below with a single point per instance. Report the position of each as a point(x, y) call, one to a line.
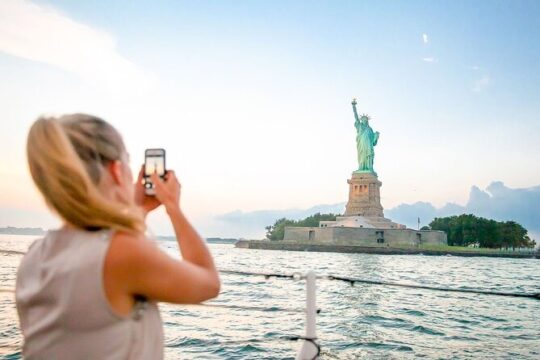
point(470, 249)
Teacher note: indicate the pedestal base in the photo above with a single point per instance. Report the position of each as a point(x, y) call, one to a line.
point(364, 195)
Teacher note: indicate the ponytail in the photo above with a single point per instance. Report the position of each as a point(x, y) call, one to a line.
point(66, 157)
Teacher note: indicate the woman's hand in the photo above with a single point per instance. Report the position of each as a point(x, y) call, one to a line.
point(148, 203)
point(168, 190)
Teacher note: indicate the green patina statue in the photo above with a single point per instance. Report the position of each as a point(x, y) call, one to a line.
point(366, 139)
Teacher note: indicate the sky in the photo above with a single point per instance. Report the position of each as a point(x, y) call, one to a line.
point(251, 99)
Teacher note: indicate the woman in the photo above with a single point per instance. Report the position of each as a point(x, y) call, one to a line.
point(90, 289)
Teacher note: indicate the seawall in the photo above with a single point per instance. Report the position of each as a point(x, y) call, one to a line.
point(298, 246)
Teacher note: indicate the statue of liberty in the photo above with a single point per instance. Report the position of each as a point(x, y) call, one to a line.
point(366, 139)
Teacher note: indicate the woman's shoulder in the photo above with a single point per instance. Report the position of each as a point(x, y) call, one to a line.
point(129, 256)
point(128, 251)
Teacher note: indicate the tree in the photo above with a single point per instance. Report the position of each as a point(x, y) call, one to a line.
point(467, 229)
point(277, 231)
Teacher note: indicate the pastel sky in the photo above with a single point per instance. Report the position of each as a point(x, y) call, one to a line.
point(251, 99)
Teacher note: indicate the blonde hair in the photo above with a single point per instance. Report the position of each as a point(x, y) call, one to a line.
point(66, 156)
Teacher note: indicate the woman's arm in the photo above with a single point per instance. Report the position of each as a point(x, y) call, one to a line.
point(136, 266)
point(192, 247)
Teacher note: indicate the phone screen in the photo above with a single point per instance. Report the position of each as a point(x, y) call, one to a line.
point(154, 162)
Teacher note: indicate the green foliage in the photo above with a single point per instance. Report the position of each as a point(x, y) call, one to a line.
point(467, 229)
point(277, 231)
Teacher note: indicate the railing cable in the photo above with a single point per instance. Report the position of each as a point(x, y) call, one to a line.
point(353, 281)
point(9, 252)
point(293, 276)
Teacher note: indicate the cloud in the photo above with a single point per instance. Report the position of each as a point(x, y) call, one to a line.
point(428, 59)
point(481, 84)
point(251, 224)
point(474, 67)
point(43, 34)
point(497, 202)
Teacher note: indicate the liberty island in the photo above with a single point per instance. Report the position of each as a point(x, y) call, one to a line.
point(363, 227)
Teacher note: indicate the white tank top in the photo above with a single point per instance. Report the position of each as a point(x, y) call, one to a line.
point(63, 309)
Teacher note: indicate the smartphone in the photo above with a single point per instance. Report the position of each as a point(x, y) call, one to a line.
point(154, 162)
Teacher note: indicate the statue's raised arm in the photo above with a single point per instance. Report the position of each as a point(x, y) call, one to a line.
point(354, 110)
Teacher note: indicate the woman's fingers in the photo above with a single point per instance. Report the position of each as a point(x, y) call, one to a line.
point(173, 177)
point(141, 175)
point(170, 175)
point(170, 180)
point(156, 180)
point(168, 190)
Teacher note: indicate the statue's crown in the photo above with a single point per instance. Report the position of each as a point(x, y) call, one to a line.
point(365, 116)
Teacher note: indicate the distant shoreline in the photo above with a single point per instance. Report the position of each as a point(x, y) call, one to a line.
point(212, 240)
point(11, 230)
point(297, 246)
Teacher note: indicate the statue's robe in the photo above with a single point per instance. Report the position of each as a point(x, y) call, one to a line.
point(366, 139)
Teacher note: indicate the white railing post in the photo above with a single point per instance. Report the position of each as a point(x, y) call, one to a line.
point(308, 350)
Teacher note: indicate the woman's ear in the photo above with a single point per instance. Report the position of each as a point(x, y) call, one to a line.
point(115, 170)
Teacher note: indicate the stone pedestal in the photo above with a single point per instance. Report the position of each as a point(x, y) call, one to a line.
point(364, 196)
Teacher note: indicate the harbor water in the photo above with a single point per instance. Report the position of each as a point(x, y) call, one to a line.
point(355, 322)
